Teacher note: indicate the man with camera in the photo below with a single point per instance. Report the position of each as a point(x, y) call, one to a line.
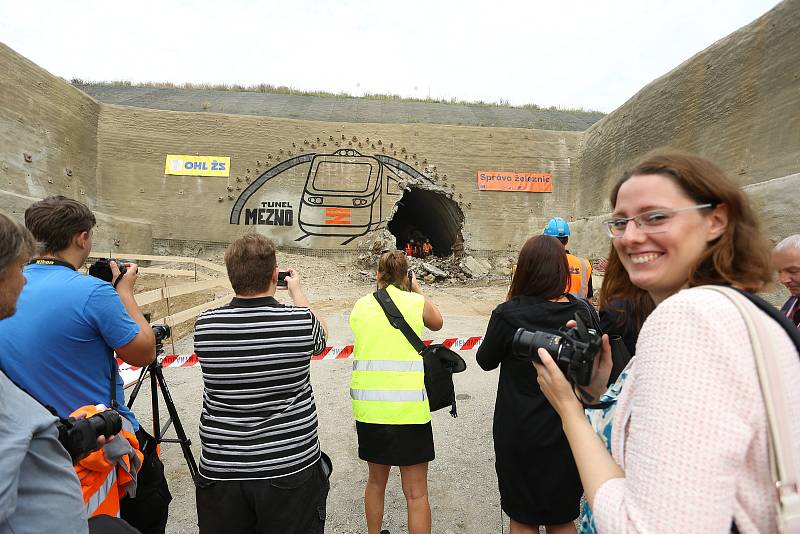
point(39, 490)
point(60, 344)
point(261, 468)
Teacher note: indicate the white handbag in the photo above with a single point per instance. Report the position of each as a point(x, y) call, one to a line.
point(784, 456)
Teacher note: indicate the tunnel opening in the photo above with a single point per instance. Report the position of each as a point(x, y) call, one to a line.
point(424, 214)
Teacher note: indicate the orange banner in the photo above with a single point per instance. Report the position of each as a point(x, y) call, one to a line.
point(532, 182)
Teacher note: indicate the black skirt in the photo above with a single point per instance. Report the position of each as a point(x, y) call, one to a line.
point(399, 445)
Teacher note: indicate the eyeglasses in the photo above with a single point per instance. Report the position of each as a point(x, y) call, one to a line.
point(649, 222)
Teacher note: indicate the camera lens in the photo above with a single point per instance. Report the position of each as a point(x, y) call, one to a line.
point(526, 343)
point(105, 423)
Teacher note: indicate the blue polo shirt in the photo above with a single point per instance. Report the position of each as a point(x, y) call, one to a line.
point(59, 344)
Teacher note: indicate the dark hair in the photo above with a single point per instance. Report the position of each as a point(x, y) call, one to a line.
point(740, 256)
point(55, 220)
point(250, 261)
point(542, 269)
point(393, 267)
point(15, 242)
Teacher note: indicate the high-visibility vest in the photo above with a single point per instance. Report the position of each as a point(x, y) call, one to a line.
point(388, 381)
point(104, 483)
point(580, 271)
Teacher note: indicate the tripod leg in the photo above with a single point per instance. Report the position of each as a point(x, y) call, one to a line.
point(137, 387)
point(173, 412)
point(155, 370)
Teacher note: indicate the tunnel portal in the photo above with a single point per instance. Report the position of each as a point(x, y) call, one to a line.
point(421, 214)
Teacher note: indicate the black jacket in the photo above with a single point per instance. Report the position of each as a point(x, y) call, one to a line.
point(522, 413)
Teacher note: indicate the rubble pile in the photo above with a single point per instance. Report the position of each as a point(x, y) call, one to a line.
point(458, 268)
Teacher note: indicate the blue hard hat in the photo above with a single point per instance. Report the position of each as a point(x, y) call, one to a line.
point(557, 227)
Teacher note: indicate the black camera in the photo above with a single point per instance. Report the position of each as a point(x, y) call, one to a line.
point(161, 331)
point(282, 279)
point(102, 269)
point(573, 350)
point(79, 436)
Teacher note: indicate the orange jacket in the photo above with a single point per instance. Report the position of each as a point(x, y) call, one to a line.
point(580, 272)
point(109, 473)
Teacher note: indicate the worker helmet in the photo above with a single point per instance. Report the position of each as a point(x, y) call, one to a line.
point(557, 227)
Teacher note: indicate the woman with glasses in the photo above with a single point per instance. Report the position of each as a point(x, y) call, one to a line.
point(536, 475)
point(387, 389)
point(685, 423)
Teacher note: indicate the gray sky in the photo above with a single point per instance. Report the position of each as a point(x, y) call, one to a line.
point(569, 53)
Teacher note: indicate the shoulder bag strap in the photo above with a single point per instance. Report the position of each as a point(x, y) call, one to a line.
point(784, 460)
point(397, 320)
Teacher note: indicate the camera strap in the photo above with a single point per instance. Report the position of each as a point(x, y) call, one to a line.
point(51, 261)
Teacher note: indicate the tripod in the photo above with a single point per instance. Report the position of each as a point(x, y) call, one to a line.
point(157, 381)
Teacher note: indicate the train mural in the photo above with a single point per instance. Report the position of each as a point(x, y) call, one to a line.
point(346, 194)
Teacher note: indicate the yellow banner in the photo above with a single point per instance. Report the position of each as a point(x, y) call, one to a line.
point(184, 165)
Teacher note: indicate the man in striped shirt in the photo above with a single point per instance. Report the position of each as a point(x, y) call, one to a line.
point(260, 466)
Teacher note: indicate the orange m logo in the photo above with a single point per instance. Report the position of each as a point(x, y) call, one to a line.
point(337, 215)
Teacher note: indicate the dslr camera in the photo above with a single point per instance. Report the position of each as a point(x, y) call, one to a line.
point(573, 350)
point(79, 436)
point(161, 332)
point(102, 269)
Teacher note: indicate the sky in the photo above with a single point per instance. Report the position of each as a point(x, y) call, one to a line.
point(565, 53)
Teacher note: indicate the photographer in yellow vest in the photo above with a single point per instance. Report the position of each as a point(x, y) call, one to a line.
point(580, 270)
point(387, 389)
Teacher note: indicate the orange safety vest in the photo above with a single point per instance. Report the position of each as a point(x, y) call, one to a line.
point(580, 272)
point(101, 484)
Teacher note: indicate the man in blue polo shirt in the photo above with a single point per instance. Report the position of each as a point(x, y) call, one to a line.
point(60, 344)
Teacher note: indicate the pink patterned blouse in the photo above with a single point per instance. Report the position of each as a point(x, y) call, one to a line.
point(689, 428)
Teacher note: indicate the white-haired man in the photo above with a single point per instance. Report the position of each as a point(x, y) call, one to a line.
point(786, 258)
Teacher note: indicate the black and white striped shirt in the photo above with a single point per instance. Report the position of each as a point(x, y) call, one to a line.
point(259, 419)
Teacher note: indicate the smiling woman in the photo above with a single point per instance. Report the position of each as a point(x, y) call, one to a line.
point(685, 423)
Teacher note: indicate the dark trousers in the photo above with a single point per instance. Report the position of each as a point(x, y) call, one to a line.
point(294, 504)
point(149, 510)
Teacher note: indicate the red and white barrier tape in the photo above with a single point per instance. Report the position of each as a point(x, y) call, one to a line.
point(329, 353)
point(130, 373)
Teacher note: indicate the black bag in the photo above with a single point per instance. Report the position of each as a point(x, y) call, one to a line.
point(148, 511)
point(439, 362)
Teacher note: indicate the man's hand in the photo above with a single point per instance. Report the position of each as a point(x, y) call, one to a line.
point(292, 282)
point(128, 279)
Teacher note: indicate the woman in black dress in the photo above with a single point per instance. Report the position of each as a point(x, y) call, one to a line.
point(536, 474)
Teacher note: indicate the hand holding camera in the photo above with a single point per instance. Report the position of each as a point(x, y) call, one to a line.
point(578, 356)
point(81, 436)
point(121, 275)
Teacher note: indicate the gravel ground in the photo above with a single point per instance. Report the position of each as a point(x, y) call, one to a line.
point(463, 487)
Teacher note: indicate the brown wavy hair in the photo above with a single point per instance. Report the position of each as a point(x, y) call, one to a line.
point(393, 267)
point(542, 269)
point(740, 256)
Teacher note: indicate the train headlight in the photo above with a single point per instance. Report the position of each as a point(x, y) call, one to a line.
point(359, 202)
point(314, 200)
